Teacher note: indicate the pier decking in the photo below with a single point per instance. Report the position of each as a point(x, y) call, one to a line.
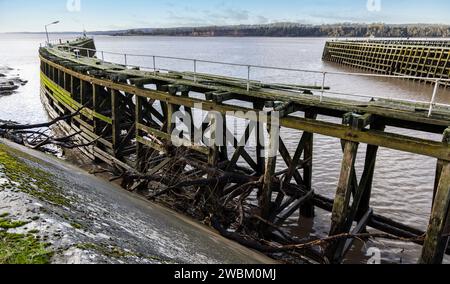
point(127, 114)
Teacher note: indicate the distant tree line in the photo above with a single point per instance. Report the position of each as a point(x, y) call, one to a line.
point(302, 30)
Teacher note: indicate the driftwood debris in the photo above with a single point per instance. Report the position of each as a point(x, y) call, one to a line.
point(40, 136)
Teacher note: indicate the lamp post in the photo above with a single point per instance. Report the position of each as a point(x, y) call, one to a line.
point(46, 30)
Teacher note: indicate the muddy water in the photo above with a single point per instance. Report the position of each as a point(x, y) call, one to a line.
point(403, 182)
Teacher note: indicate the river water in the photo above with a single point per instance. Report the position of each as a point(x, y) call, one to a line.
point(403, 182)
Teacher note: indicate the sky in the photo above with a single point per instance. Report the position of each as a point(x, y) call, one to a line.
point(100, 15)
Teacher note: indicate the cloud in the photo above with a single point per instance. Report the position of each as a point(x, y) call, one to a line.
point(261, 20)
point(227, 15)
point(219, 15)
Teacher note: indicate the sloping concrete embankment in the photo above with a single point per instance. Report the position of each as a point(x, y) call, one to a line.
point(53, 212)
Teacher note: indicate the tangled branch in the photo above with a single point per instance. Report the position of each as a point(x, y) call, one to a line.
point(40, 137)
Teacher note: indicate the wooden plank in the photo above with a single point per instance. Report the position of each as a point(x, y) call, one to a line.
point(360, 228)
point(162, 135)
point(151, 144)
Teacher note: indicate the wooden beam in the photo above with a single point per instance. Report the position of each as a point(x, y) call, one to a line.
point(440, 163)
point(115, 108)
point(307, 209)
point(140, 163)
point(368, 174)
point(343, 194)
point(240, 150)
point(213, 155)
point(265, 200)
point(260, 161)
point(436, 239)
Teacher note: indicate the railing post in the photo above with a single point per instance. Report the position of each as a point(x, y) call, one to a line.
point(433, 98)
point(324, 75)
point(103, 56)
point(248, 78)
point(195, 71)
point(154, 65)
point(126, 60)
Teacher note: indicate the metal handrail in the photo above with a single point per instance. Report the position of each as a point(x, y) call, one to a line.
point(267, 67)
point(436, 81)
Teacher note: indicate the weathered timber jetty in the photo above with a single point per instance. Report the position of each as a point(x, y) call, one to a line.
point(126, 113)
point(416, 58)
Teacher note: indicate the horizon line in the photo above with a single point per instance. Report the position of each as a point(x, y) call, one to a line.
point(231, 25)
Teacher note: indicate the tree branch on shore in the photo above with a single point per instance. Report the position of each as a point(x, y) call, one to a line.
point(39, 136)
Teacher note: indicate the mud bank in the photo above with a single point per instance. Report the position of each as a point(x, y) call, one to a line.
point(53, 212)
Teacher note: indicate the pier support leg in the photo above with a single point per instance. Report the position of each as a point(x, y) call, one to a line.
point(259, 106)
point(115, 105)
point(307, 209)
point(344, 213)
point(213, 156)
point(342, 201)
point(440, 163)
point(437, 236)
point(139, 147)
point(368, 175)
point(96, 100)
point(265, 200)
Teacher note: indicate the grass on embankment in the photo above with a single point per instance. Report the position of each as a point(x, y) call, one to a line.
point(20, 248)
point(17, 176)
point(29, 180)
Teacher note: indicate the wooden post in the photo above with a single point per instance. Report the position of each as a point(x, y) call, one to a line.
point(213, 149)
point(369, 171)
point(343, 194)
point(436, 239)
point(307, 209)
point(265, 201)
point(224, 147)
point(96, 107)
point(82, 90)
point(170, 110)
point(139, 147)
point(115, 105)
point(435, 244)
point(259, 106)
point(72, 88)
point(440, 163)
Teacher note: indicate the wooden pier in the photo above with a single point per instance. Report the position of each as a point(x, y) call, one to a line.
point(127, 114)
point(425, 59)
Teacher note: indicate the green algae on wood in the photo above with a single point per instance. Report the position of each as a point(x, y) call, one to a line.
point(30, 180)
